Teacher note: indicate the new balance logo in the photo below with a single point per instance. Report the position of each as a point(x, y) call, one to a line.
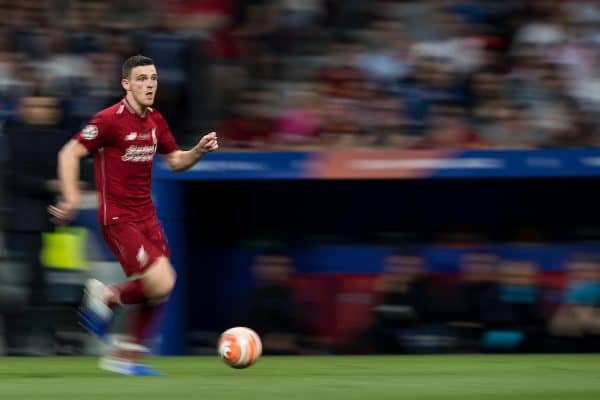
point(131, 136)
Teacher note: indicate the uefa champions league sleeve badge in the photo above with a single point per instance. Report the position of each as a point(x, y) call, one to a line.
point(89, 132)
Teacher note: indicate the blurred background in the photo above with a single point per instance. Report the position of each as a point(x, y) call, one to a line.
point(394, 175)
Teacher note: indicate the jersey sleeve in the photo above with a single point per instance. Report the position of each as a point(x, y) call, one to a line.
point(96, 134)
point(166, 141)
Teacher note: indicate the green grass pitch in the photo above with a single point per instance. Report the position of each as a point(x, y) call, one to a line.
point(463, 377)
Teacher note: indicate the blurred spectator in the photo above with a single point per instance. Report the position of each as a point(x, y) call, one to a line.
point(200, 15)
point(211, 22)
point(17, 79)
point(344, 15)
point(170, 51)
point(343, 90)
point(33, 142)
point(61, 71)
point(250, 122)
point(404, 306)
point(479, 292)
point(577, 315)
point(258, 33)
point(271, 305)
point(500, 123)
point(387, 60)
point(297, 123)
point(515, 321)
point(449, 129)
point(131, 15)
point(4, 175)
point(297, 22)
point(95, 90)
point(386, 123)
point(341, 125)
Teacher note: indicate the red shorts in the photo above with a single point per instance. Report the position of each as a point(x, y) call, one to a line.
point(137, 245)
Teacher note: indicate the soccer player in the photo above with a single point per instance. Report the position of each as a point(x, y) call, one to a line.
point(123, 139)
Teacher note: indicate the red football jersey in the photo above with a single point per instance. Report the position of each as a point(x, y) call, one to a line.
point(123, 144)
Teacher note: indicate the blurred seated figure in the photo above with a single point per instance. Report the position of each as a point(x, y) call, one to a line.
point(479, 290)
point(577, 316)
point(514, 317)
point(271, 306)
point(405, 304)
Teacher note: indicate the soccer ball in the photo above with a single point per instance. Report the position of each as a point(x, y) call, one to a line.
point(239, 347)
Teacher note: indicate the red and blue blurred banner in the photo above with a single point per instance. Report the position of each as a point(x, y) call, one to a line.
point(391, 165)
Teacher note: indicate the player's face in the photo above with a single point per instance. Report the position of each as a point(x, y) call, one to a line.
point(142, 83)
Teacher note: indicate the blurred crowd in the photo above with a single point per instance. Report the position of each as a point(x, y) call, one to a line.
point(488, 303)
point(319, 74)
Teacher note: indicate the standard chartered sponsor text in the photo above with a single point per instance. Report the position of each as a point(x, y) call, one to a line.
point(139, 153)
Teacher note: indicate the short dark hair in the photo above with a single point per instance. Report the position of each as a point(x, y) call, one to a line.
point(134, 61)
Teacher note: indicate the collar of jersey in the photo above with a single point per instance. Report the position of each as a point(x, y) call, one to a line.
point(132, 111)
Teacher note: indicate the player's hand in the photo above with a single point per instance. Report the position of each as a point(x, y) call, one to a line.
point(63, 212)
point(208, 143)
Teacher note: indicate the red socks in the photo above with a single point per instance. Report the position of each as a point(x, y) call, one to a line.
point(146, 317)
point(145, 321)
point(130, 292)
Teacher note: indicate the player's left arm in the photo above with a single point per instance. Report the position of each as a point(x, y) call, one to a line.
point(182, 160)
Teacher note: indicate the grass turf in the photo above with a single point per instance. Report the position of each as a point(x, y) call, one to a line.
point(312, 378)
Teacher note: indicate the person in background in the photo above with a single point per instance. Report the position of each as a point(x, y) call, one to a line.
point(32, 141)
point(271, 309)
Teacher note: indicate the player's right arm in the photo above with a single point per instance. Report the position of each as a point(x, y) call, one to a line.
point(94, 136)
point(68, 177)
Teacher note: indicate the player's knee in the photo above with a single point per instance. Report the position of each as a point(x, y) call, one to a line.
point(166, 284)
point(169, 282)
point(160, 280)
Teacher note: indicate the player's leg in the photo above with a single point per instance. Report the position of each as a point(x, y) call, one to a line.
point(145, 321)
point(153, 280)
point(158, 281)
point(152, 275)
point(155, 285)
point(156, 275)
point(150, 289)
point(124, 356)
point(95, 313)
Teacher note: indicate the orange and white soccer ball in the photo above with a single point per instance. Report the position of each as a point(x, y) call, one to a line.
point(239, 347)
